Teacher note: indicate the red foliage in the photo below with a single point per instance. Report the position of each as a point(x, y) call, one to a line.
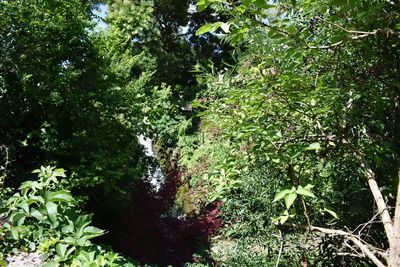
point(149, 235)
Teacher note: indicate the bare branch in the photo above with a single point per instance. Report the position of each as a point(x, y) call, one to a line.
point(305, 212)
point(377, 194)
point(280, 248)
point(309, 138)
point(367, 250)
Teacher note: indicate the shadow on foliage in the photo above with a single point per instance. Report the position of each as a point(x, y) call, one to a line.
point(149, 233)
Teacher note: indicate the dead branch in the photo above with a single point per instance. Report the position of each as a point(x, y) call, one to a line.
point(367, 250)
point(377, 194)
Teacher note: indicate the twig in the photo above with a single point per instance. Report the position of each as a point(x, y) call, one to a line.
point(305, 212)
point(6, 163)
point(308, 138)
point(280, 249)
point(388, 31)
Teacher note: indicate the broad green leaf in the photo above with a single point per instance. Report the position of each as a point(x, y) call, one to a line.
point(289, 199)
point(331, 212)
point(60, 196)
point(37, 214)
point(314, 146)
point(281, 194)
point(61, 249)
point(101, 260)
point(59, 172)
point(36, 171)
point(35, 199)
point(309, 186)
point(70, 240)
point(25, 207)
point(305, 191)
point(14, 233)
point(211, 27)
point(51, 209)
point(203, 4)
point(18, 218)
point(92, 232)
point(284, 219)
point(112, 256)
point(246, 3)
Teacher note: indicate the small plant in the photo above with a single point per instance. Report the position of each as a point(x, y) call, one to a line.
point(43, 217)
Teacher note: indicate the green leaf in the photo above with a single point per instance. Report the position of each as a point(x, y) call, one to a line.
point(60, 196)
point(14, 233)
point(246, 3)
point(289, 199)
point(18, 218)
point(314, 146)
point(276, 160)
point(211, 27)
point(25, 207)
point(262, 4)
point(283, 217)
point(112, 256)
point(281, 194)
point(331, 212)
point(305, 191)
point(59, 172)
point(61, 249)
point(37, 214)
point(51, 209)
point(203, 4)
point(70, 240)
point(309, 186)
point(92, 232)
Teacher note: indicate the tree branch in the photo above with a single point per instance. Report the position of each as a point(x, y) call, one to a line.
point(280, 248)
point(377, 194)
point(356, 241)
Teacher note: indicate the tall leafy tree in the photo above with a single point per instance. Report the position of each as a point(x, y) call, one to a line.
point(313, 104)
point(57, 100)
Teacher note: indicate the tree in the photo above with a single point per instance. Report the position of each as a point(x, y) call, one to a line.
point(58, 102)
point(313, 99)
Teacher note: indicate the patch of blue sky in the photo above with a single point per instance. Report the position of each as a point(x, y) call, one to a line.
point(100, 13)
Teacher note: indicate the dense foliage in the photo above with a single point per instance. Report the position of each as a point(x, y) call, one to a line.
point(309, 111)
point(275, 124)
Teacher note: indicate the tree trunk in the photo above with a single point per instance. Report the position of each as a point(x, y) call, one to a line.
point(394, 253)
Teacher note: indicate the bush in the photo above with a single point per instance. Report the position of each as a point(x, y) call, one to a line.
point(43, 217)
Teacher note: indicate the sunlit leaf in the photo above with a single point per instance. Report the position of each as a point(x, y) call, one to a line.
point(289, 199)
point(281, 194)
point(305, 191)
